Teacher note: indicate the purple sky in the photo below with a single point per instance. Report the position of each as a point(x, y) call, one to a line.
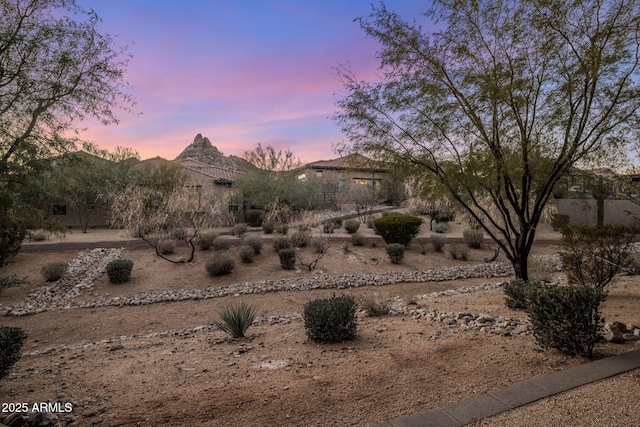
point(239, 72)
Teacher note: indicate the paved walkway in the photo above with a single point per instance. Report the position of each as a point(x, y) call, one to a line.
point(497, 401)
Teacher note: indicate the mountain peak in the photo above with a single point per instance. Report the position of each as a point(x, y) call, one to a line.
point(202, 150)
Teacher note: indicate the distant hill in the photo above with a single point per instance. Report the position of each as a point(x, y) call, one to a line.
point(202, 150)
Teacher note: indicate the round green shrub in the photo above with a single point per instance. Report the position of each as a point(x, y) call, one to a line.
point(220, 244)
point(11, 341)
point(331, 319)
point(267, 228)
point(328, 227)
point(247, 254)
point(300, 239)
point(398, 228)
point(219, 263)
point(119, 270)
point(473, 237)
point(459, 251)
point(441, 227)
point(205, 240)
point(287, 258)
point(566, 318)
point(395, 252)
point(357, 239)
point(255, 242)
point(239, 229)
point(281, 242)
point(515, 293)
point(351, 226)
point(438, 241)
point(53, 271)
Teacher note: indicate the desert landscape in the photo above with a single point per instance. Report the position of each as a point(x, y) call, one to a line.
point(146, 353)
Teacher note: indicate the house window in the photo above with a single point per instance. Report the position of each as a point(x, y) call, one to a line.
point(59, 209)
point(318, 174)
point(362, 181)
point(302, 176)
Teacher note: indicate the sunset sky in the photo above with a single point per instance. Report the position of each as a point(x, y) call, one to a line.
point(239, 71)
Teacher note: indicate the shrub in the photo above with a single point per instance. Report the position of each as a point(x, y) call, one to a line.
point(300, 239)
point(459, 251)
point(11, 341)
point(267, 227)
point(328, 226)
point(338, 222)
point(166, 246)
point(239, 230)
point(11, 238)
point(559, 221)
point(53, 271)
point(357, 239)
point(370, 222)
point(473, 237)
point(515, 293)
point(441, 227)
point(37, 235)
point(287, 258)
point(205, 240)
point(255, 242)
point(119, 270)
point(281, 242)
point(438, 241)
point(398, 228)
point(592, 256)
point(282, 228)
point(330, 319)
point(253, 217)
point(566, 318)
point(351, 226)
point(221, 244)
point(374, 305)
point(177, 233)
point(395, 252)
point(319, 244)
point(247, 254)
point(236, 319)
point(11, 281)
point(219, 263)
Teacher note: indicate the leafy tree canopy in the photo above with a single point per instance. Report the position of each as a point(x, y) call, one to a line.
point(498, 105)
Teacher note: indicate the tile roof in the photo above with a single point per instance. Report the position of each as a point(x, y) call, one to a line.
point(217, 173)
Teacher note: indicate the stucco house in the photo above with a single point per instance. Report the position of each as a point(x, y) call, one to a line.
point(340, 178)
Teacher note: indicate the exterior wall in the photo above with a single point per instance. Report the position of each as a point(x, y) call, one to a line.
point(350, 179)
point(98, 219)
point(585, 211)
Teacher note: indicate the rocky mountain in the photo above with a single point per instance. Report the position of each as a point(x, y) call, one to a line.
point(202, 150)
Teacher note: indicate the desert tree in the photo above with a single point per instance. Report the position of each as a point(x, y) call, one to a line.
point(276, 178)
point(56, 69)
point(85, 179)
point(152, 213)
point(501, 102)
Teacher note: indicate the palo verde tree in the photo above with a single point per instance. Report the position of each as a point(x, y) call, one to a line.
point(500, 103)
point(56, 69)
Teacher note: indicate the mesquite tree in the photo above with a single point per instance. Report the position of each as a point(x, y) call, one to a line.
point(498, 105)
point(151, 213)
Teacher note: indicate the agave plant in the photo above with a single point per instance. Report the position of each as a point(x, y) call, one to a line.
point(236, 319)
